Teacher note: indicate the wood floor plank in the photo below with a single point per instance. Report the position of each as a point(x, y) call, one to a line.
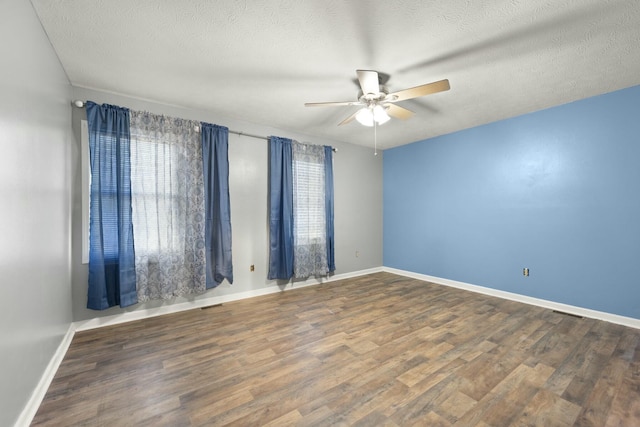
point(322, 416)
point(377, 350)
point(601, 395)
point(549, 410)
point(625, 408)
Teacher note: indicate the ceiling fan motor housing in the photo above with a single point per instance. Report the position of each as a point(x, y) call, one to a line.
point(368, 98)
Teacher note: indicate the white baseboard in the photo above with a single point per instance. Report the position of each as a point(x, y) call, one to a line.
point(579, 311)
point(205, 302)
point(31, 408)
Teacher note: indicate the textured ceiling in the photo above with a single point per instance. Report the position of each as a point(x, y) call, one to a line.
point(261, 60)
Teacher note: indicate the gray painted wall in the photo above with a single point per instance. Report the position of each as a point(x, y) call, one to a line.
point(35, 217)
point(358, 203)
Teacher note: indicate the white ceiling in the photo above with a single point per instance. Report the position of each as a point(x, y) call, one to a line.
point(261, 60)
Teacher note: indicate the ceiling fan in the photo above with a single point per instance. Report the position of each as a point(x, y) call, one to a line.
point(378, 105)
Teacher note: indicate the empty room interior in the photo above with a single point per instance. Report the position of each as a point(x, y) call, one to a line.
point(320, 213)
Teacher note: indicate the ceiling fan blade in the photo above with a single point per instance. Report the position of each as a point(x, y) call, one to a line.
point(398, 112)
point(414, 92)
point(368, 81)
point(348, 119)
point(332, 104)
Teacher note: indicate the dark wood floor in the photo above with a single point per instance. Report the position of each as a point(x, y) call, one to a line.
point(379, 350)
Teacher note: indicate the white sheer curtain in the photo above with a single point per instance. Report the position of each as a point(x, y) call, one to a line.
point(309, 211)
point(168, 206)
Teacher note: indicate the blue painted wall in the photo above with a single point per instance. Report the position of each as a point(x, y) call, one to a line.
point(557, 191)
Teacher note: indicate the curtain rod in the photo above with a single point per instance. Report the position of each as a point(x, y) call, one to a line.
point(334, 149)
point(80, 104)
point(248, 134)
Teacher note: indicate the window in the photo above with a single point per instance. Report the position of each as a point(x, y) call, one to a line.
point(300, 209)
point(309, 204)
point(147, 189)
point(159, 202)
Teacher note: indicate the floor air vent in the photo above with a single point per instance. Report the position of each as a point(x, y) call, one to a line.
point(211, 306)
point(568, 314)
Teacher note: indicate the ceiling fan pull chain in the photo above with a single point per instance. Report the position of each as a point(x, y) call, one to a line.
point(375, 138)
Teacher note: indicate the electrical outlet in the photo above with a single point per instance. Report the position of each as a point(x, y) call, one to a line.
point(252, 268)
point(525, 271)
point(357, 254)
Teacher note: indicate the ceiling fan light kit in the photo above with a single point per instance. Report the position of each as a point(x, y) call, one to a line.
point(367, 115)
